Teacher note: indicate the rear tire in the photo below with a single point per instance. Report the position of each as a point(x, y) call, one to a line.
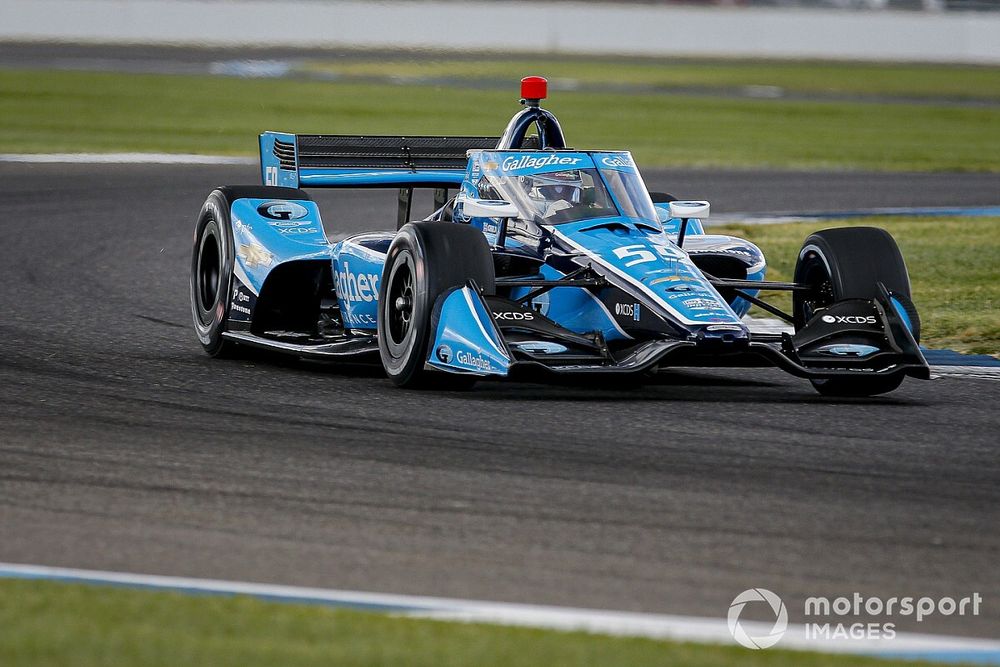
point(848, 263)
point(424, 261)
point(211, 275)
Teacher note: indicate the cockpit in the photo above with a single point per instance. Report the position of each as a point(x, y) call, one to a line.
point(557, 187)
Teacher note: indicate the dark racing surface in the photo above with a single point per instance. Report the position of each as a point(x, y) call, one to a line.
point(122, 446)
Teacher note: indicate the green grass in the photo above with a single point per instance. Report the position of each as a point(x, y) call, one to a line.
point(76, 111)
point(53, 624)
point(954, 267)
point(927, 81)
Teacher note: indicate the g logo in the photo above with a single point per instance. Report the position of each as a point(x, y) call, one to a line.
point(282, 210)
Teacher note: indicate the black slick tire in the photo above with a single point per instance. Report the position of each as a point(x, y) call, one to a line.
point(212, 262)
point(848, 263)
point(424, 261)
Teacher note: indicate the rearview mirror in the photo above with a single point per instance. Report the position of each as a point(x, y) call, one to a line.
point(689, 209)
point(488, 208)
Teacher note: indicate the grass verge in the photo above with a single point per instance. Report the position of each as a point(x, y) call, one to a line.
point(954, 267)
point(84, 111)
point(48, 623)
point(958, 82)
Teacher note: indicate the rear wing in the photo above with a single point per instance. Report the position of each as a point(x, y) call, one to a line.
point(345, 161)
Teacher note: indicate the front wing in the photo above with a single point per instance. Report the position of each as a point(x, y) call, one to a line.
point(490, 336)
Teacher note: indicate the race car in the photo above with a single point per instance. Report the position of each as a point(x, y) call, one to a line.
point(537, 260)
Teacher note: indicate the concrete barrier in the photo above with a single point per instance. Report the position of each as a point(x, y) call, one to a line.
point(552, 27)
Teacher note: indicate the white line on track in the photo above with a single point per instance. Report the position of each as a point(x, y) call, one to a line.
point(656, 626)
point(973, 372)
point(770, 325)
point(123, 158)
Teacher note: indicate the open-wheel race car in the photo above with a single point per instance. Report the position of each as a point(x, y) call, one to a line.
point(538, 259)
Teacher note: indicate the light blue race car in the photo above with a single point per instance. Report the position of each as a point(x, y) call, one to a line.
point(537, 260)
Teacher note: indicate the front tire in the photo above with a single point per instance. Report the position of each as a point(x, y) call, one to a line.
point(212, 262)
point(848, 263)
point(424, 261)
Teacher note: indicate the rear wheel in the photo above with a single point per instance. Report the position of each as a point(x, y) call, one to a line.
point(211, 275)
point(848, 263)
point(423, 262)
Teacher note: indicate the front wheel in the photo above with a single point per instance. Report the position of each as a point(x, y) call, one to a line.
point(849, 263)
point(424, 261)
point(211, 275)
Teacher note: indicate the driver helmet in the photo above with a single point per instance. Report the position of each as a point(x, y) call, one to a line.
point(556, 186)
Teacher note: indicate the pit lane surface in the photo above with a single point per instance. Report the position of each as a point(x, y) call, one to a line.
point(123, 447)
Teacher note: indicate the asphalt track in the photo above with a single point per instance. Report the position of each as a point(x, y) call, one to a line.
point(123, 447)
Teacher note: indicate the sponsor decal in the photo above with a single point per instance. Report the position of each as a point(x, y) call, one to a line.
point(685, 291)
point(849, 319)
point(289, 223)
point(632, 310)
point(254, 254)
point(701, 304)
point(540, 347)
point(733, 251)
point(491, 230)
point(616, 161)
point(241, 303)
point(282, 210)
point(670, 279)
point(292, 228)
point(356, 287)
point(848, 350)
point(514, 316)
point(530, 162)
point(723, 327)
point(443, 353)
point(477, 361)
point(359, 319)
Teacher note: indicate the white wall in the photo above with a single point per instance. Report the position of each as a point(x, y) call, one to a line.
point(557, 27)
